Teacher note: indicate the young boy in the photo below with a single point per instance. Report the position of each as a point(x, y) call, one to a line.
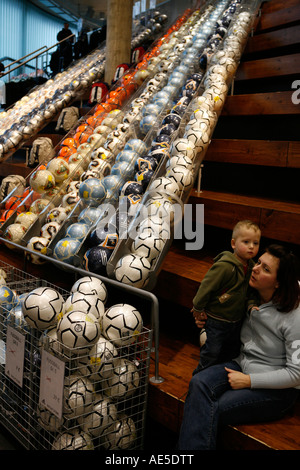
point(221, 296)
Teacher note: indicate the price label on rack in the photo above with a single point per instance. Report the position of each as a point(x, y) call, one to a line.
point(52, 383)
point(15, 350)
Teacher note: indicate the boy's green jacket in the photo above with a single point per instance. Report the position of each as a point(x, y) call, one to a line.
point(223, 291)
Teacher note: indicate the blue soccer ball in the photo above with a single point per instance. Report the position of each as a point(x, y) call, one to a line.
point(8, 298)
point(89, 215)
point(96, 258)
point(136, 145)
point(92, 191)
point(78, 231)
point(104, 234)
point(65, 250)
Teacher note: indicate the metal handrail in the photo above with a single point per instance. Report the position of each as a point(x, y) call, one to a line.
point(24, 57)
point(34, 57)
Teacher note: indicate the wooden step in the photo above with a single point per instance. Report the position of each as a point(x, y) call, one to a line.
point(269, 67)
point(278, 220)
point(274, 103)
point(255, 152)
point(268, 41)
point(278, 14)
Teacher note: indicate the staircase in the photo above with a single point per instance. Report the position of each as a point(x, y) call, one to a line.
point(251, 170)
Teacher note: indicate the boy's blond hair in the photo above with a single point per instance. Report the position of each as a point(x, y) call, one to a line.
point(244, 223)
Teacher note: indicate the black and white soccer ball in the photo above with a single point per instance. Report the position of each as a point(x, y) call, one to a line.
point(48, 420)
point(122, 324)
point(73, 440)
point(164, 184)
point(87, 303)
point(120, 435)
point(133, 270)
point(183, 145)
point(103, 414)
point(78, 331)
point(99, 362)
point(147, 245)
point(183, 177)
point(159, 226)
point(90, 285)
point(123, 382)
point(38, 245)
point(42, 307)
point(78, 395)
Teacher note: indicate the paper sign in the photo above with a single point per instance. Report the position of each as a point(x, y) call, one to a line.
point(52, 383)
point(15, 348)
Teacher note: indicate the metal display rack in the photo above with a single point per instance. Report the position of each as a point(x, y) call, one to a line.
point(100, 403)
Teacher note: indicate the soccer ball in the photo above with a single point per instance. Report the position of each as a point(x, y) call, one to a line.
point(159, 226)
point(15, 318)
point(99, 362)
point(57, 214)
point(160, 205)
point(50, 229)
point(103, 414)
point(49, 341)
point(183, 177)
point(132, 187)
point(165, 184)
point(136, 145)
point(183, 145)
point(65, 250)
point(38, 244)
point(78, 395)
point(89, 215)
point(88, 304)
point(48, 420)
point(70, 199)
point(95, 259)
point(78, 331)
point(14, 233)
point(77, 231)
point(105, 235)
point(92, 191)
point(133, 270)
point(89, 285)
point(179, 160)
point(121, 324)
point(26, 219)
point(59, 169)
point(42, 181)
point(8, 298)
point(120, 435)
point(147, 245)
point(73, 441)
point(123, 382)
point(42, 307)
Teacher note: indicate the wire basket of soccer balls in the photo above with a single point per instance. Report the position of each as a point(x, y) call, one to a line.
point(73, 370)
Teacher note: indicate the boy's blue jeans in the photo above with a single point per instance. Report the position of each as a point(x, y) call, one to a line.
point(222, 343)
point(211, 403)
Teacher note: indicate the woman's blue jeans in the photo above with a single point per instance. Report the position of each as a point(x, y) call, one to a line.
point(211, 403)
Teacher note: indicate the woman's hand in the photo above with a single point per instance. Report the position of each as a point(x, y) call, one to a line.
point(237, 379)
point(200, 318)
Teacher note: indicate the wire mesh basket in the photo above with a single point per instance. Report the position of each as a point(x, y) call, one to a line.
point(53, 397)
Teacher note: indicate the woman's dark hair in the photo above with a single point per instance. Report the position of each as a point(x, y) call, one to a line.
point(287, 295)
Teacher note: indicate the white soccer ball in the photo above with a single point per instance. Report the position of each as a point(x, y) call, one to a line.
point(159, 226)
point(123, 382)
point(26, 219)
point(87, 304)
point(42, 181)
point(120, 435)
point(48, 420)
point(39, 245)
point(133, 270)
point(103, 414)
point(59, 168)
point(147, 245)
point(99, 362)
point(199, 137)
point(50, 229)
point(122, 324)
point(89, 285)
point(183, 145)
point(179, 160)
point(78, 331)
point(42, 307)
point(164, 184)
point(73, 440)
point(78, 395)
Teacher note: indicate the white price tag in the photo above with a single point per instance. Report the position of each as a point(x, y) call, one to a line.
point(52, 383)
point(15, 348)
